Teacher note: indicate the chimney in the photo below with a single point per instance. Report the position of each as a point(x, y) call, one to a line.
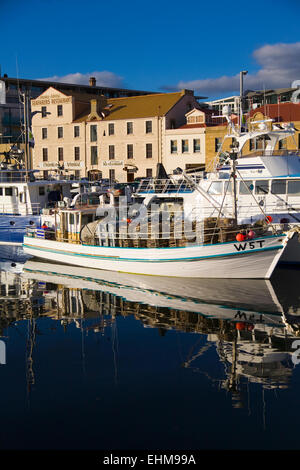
point(92, 81)
point(94, 106)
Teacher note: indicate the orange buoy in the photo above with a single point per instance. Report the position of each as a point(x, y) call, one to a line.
point(269, 219)
point(251, 234)
point(240, 326)
point(240, 237)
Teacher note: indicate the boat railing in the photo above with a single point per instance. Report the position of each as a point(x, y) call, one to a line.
point(162, 186)
point(272, 153)
point(210, 231)
point(20, 209)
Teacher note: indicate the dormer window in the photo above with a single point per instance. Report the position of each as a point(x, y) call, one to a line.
point(195, 119)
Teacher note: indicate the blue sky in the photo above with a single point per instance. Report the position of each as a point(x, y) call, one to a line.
point(156, 46)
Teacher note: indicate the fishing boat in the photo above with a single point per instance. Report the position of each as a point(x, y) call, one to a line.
point(160, 242)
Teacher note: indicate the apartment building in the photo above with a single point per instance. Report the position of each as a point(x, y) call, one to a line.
point(185, 146)
point(119, 138)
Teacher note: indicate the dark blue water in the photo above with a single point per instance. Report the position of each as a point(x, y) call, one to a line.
point(86, 369)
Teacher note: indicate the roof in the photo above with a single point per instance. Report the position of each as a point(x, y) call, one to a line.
point(277, 91)
point(98, 89)
point(282, 112)
point(139, 106)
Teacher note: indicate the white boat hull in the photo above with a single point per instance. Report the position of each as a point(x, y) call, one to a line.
point(255, 259)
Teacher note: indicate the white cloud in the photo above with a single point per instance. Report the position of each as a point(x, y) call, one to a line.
point(279, 67)
point(105, 78)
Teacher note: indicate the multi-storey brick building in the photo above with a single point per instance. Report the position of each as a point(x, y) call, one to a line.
point(112, 138)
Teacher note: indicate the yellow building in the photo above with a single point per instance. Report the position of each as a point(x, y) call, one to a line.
point(281, 114)
point(117, 138)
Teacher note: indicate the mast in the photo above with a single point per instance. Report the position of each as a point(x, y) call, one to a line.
point(26, 129)
point(242, 73)
point(233, 157)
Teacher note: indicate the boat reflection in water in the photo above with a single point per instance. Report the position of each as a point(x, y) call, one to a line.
point(252, 324)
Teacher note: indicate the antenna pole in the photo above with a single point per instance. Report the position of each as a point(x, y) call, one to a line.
point(242, 73)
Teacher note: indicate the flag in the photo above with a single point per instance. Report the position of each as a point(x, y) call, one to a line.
point(30, 138)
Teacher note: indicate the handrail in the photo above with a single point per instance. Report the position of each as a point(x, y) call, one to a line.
point(198, 233)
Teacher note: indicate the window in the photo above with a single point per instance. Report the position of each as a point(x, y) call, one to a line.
point(41, 191)
point(77, 174)
point(111, 152)
point(278, 186)
point(59, 110)
point(94, 155)
point(294, 188)
point(148, 150)
point(111, 129)
point(44, 132)
point(93, 133)
point(1, 191)
point(148, 172)
point(257, 143)
point(130, 151)
point(77, 153)
point(148, 127)
point(129, 127)
point(60, 132)
point(173, 146)
point(282, 144)
point(76, 131)
point(196, 145)
point(216, 187)
point(244, 185)
point(8, 192)
point(195, 119)
point(262, 187)
point(218, 144)
point(44, 111)
point(112, 175)
point(45, 155)
point(60, 154)
point(184, 146)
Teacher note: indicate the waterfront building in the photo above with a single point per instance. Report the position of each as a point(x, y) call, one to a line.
point(186, 145)
point(11, 108)
point(218, 105)
point(118, 138)
point(281, 114)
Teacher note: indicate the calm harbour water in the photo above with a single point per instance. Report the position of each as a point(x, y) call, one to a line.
point(104, 364)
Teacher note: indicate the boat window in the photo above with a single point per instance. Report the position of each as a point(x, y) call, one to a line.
point(216, 187)
point(41, 191)
point(246, 187)
point(71, 219)
point(294, 187)
point(227, 187)
point(8, 192)
point(1, 191)
point(278, 186)
point(262, 187)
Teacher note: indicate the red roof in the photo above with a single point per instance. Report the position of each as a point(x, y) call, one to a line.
point(281, 112)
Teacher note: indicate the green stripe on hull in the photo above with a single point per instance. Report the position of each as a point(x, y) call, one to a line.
point(115, 258)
